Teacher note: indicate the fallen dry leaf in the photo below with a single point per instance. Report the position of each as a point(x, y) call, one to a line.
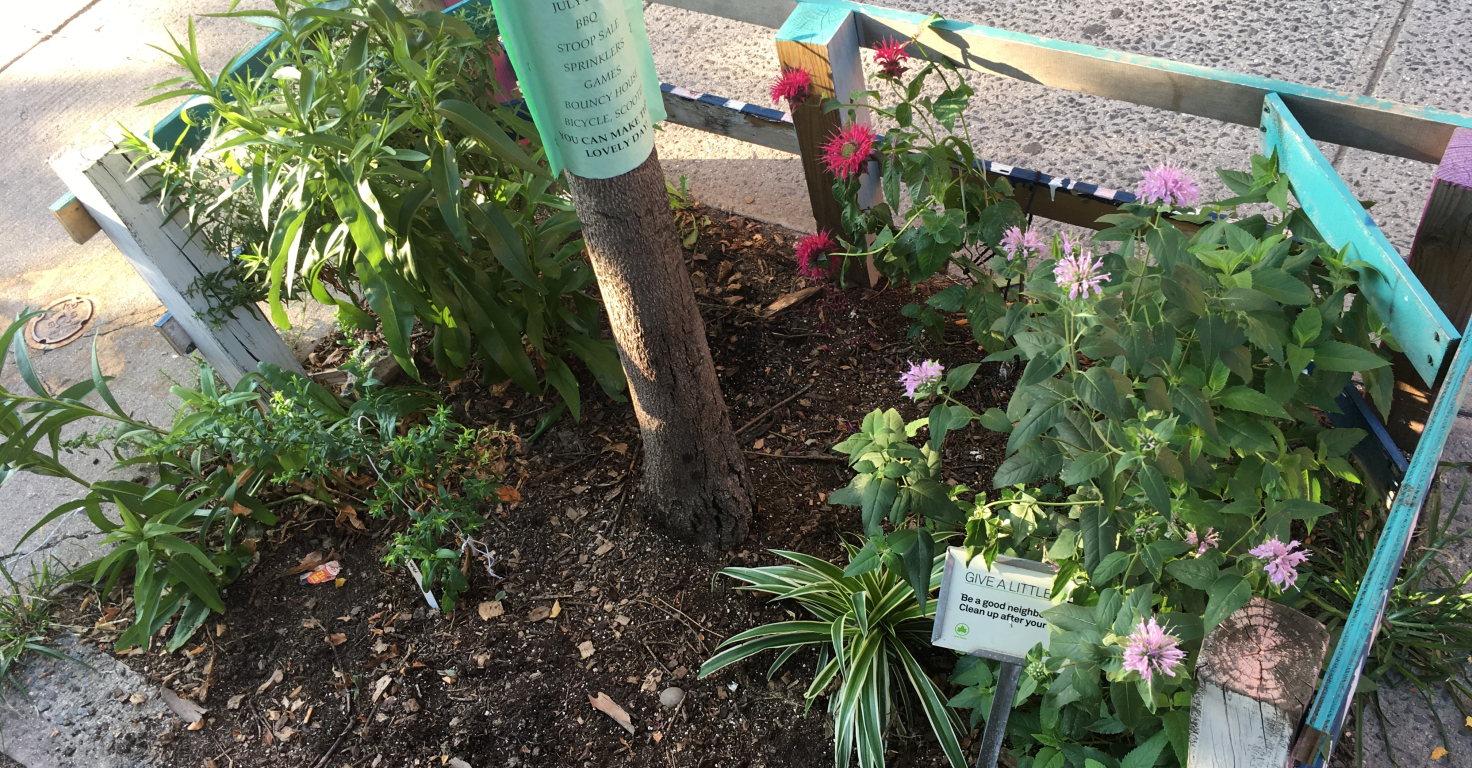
point(275, 678)
point(759, 444)
point(539, 613)
point(586, 648)
point(609, 707)
point(309, 561)
point(336, 638)
point(234, 702)
point(195, 726)
point(186, 710)
point(508, 494)
point(556, 609)
point(285, 734)
point(208, 763)
point(490, 609)
point(1438, 753)
point(603, 549)
point(381, 686)
point(481, 659)
point(137, 699)
point(657, 737)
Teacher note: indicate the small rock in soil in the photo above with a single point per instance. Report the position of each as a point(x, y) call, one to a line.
point(671, 697)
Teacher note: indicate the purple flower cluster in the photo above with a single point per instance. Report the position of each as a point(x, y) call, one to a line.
point(1209, 540)
point(1079, 273)
point(1019, 244)
point(1150, 650)
point(1165, 183)
point(1280, 559)
point(921, 377)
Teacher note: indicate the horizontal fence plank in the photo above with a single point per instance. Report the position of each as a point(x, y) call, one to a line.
point(726, 117)
point(1350, 119)
point(1419, 325)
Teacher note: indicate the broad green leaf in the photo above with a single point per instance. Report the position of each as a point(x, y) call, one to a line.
point(1228, 593)
point(1338, 356)
point(1252, 401)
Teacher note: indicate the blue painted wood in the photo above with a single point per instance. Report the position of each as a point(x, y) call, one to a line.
point(1419, 325)
point(1352, 119)
point(814, 23)
point(1341, 676)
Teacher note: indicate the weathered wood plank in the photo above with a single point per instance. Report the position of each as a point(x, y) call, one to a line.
point(168, 260)
point(1419, 325)
point(1441, 254)
point(73, 217)
point(1255, 675)
point(823, 41)
point(1351, 119)
point(724, 117)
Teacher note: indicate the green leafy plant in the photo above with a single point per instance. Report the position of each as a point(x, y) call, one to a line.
point(26, 617)
point(865, 619)
point(687, 213)
point(1174, 373)
point(378, 172)
point(937, 209)
point(191, 498)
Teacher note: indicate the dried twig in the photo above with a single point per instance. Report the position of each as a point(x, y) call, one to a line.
point(768, 412)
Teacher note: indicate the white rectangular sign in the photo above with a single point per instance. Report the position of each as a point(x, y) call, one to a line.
point(995, 613)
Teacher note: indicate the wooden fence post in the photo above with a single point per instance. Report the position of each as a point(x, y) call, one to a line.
point(824, 40)
point(1441, 256)
point(1255, 675)
point(168, 260)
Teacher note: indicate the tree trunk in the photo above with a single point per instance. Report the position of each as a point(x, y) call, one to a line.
point(694, 487)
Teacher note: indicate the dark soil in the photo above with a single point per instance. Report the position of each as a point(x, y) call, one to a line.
point(406, 685)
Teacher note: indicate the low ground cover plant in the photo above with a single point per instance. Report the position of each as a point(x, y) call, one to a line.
point(233, 459)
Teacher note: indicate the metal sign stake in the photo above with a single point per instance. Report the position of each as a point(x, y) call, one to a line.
point(996, 721)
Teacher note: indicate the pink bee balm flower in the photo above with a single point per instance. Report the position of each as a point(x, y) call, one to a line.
point(1070, 245)
point(1078, 274)
point(1282, 562)
point(794, 85)
point(1017, 243)
point(921, 376)
point(812, 256)
point(1210, 540)
point(890, 56)
point(848, 150)
point(1150, 650)
point(1167, 184)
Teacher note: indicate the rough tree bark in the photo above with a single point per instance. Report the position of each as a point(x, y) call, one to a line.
point(694, 487)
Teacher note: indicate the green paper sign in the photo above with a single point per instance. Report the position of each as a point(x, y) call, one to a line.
point(587, 72)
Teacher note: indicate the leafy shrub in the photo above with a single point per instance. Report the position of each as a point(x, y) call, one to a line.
point(1170, 403)
point(367, 163)
point(231, 458)
point(865, 619)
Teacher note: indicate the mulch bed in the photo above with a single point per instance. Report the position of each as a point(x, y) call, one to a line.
point(594, 601)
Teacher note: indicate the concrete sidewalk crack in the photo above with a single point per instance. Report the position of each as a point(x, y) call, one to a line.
point(49, 35)
point(1379, 69)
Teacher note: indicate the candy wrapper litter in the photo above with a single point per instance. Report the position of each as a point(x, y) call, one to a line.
point(322, 573)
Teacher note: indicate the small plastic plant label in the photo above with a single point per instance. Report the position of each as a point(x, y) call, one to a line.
point(587, 72)
point(996, 612)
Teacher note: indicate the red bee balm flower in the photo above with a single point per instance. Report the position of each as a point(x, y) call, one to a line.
point(848, 150)
point(794, 85)
point(890, 56)
point(812, 251)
